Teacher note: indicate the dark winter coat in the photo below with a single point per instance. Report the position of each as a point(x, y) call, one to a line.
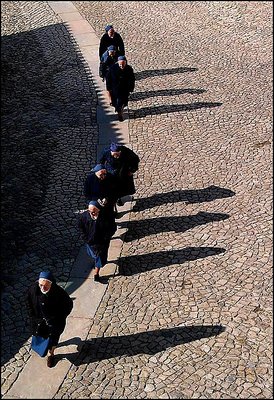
point(95, 189)
point(107, 41)
point(96, 232)
point(120, 82)
point(106, 62)
point(49, 311)
point(120, 167)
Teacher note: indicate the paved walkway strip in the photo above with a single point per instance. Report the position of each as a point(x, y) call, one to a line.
point(37, 380)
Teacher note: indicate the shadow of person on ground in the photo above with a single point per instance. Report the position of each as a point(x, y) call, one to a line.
point(165, 92)
point(152, 226)
point(138, 264)
point(190, 196)
point(151, 342)
point(158, 72)
point(165, 109)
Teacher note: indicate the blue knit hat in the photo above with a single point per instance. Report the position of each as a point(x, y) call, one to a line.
point(98, 167)
point(95, 203)
point(122, 58)
point(111, 48)
point(115, 147)
point(46, 275)
point(108, 27)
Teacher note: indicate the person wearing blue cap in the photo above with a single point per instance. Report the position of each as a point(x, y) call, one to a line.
point(49, 306)
point(96, 229)
point(120, 82)
point(111, 38)
point(109, 57)
point(100, 185)
point(122, 162)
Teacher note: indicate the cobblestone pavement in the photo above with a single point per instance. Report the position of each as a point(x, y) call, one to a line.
point(190, 314)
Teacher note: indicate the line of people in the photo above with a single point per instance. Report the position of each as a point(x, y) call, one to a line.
point(115, 70)
point(104, 188)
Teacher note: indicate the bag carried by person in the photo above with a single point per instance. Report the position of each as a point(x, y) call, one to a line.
point(40, 345)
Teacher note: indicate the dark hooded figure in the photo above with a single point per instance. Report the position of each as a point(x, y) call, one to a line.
point(100, 185)
point(49, 305)
point(122, 162)
point(96, 229)
point(111, 38)
point(120, 82)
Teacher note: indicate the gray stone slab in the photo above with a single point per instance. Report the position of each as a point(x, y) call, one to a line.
point(37, 381)
point(63, 6)
point(71, 16)
point(86, 295)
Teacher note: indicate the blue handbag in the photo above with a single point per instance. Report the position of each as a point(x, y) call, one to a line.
point(40, 345)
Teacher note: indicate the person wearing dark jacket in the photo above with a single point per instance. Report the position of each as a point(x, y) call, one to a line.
point(109, 57)
point(49, 305)
point(111, 38)
point(96, 230)
point(120, 81)
point(100, 185)
point(122, 162)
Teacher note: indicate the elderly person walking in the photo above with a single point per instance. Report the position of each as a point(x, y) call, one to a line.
point(97, 229)
point(109, 58)
point(111, 38)
point(49, 305)
point(120, 82)
point(122, 162)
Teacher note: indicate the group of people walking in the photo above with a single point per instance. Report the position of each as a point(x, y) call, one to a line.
point(115, 70)
point(104, 189)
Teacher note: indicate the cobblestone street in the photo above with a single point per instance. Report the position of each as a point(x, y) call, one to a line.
point(189, 315)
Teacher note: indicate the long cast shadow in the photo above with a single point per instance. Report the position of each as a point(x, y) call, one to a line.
point(165, 92)
point(152, 226)
point(158, 72)
point(164, 109)
point(147, 262)
point(190, 196)
point(151, 342)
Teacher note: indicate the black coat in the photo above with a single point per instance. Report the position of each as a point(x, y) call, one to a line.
point(120, 167)
point(106, 62)
point(96, 232)
point(54, 307)
point(116, 41)
point(95, 189)
point(120, 82)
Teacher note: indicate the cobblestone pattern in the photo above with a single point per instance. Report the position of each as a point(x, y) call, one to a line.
point(190, 315)
point(48, 142)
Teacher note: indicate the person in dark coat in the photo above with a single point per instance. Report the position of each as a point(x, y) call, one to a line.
point(49, 305)
point(97, 231)
point(109, 57)
point(120, 82)
point(111, 38)
point(122, 162)
point(100, 185)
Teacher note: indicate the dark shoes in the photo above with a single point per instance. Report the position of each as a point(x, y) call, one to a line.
point(96, 278)
point(119, 203)
point(50, 361)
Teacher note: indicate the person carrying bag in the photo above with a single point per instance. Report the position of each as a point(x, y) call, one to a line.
point(49, 305)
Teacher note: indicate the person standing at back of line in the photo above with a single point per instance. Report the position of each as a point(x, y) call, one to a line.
point(111, 38)
point(49, 305)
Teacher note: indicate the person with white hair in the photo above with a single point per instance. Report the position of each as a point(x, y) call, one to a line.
point(49, 305)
